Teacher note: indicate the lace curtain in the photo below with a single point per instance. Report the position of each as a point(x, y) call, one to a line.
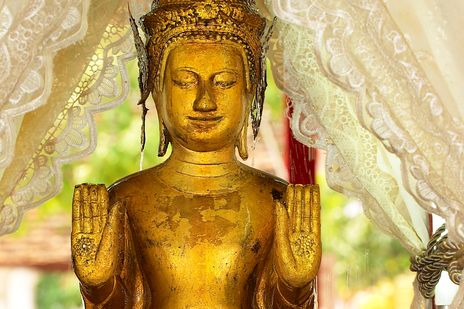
point(362, 92)
point(56, 71)
point(359, 82)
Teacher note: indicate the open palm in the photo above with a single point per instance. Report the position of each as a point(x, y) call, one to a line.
point(95, 230)
point(298, 235)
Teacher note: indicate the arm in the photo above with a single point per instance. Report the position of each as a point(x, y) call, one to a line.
point(290, 272)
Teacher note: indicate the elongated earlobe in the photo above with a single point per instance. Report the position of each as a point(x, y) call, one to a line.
point(242, 142)
point(165, 139)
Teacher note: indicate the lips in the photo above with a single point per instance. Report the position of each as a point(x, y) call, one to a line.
point(206, 118)
point(204, 122)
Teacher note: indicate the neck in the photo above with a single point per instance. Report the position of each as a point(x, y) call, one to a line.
point(201, 172)
point(208, 164)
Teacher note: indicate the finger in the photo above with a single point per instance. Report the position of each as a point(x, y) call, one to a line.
point(76, 219)
point(306, 219)
point(316, 211)
point(283, 249)
point(95, 220)
point(103, 204)
point(298, 206)
point(290, 203)
point(86, 210)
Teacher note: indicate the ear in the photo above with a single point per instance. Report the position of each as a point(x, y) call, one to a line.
point(242, 141)
point(164, 137)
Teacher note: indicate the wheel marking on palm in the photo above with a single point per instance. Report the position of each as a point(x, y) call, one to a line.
point(85, 247)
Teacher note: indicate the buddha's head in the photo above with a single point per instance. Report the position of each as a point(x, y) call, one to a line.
point(203, 62)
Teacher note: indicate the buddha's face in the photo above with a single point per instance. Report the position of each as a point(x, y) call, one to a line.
point(204, 100)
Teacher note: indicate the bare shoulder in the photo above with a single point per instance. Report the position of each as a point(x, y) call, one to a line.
point(135, 185)
point(264, 182)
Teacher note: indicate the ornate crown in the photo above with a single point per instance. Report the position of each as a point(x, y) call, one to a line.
point(171, 21)
point(231, 20)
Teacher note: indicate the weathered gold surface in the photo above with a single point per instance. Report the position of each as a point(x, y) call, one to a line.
point(200, 230)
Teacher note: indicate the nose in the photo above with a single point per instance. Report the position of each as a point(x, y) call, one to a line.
point(204, 102)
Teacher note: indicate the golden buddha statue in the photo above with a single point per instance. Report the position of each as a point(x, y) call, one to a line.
point(201, 230)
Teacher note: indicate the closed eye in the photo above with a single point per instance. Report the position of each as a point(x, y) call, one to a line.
point(225, 84)
point(224, 80)
point(184, 84)
point(185, 78)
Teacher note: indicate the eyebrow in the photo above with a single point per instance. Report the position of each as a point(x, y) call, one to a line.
point(186, 69)
point(224, 70)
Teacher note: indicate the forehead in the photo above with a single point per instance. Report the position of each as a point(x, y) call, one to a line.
point(206, 56)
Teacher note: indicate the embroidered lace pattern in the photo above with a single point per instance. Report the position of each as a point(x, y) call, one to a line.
point(360, 93)
point(48, 119)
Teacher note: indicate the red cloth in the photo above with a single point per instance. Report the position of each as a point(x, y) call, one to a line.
point(300, 159)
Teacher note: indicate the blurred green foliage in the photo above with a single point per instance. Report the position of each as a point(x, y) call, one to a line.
point(57, 291)
point(363, 254)
point(118, 148)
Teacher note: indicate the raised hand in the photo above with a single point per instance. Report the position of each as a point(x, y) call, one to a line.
point(95, 231)
point(298, 246)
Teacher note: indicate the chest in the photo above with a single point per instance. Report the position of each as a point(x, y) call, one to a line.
point(202, 233)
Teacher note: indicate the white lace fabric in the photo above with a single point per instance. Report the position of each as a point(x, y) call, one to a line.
point(324, 117)
point(53, 87)
point(360, 92)
point(361, 87)
point(30, 34)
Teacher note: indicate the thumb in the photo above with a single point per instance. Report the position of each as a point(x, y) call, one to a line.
point(281, 218)
point(283, 249)
point(116, 217)
point(113, 233)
